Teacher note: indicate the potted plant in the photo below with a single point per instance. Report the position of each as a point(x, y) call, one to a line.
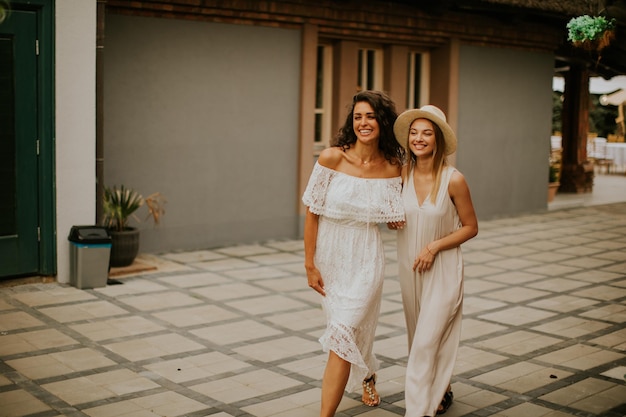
point(553, 179)
point(591, 33)
point(119, 205)
point(5, 7)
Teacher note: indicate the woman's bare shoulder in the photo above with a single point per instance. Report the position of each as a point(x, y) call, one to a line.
point(457, 182)
point(331, 157)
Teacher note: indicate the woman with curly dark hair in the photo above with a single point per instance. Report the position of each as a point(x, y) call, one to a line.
point(355, 184)
point(385, 114)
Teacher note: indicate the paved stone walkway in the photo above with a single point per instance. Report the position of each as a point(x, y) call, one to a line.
point(233, 331)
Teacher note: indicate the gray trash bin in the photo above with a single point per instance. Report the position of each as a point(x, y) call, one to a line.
point(90, 249)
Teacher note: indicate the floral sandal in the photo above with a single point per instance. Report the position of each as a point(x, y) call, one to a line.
point(370, 398)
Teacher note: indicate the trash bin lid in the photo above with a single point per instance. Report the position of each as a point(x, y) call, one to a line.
point(89, 234)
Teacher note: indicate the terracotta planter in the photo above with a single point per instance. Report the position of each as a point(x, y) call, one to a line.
point(124, 247)
point(552, 189)
point(597, 44)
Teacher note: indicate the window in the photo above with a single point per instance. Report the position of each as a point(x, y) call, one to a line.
point(370, 69)
point(323, 92)
point(418, 93)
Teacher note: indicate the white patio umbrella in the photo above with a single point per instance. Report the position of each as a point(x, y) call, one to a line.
point(615, 98)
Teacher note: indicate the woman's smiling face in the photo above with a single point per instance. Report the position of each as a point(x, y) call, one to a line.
point(364, 122)
point(422, 137)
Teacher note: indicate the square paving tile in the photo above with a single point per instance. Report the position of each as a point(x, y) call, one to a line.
point(98, 386)
point(235, 332)
point(194, 280)
point(591, 394)
point(571, 327)
point(60, 363)
point(195, 367)
point(529, 409)
point(518, 343)
point(473, 305)
point(41, 295)
point(150, 302)
point(83, 311)
point(18, 320)
point(243, 386)
point(194, 316)
point(229, 291)
point(470, 359)
point(579, 357)
point(19, 403)
point(290, 404)
point(268, 304)
point(116, 327)
point(140, 348)
point(615, 340)
point(564, 303)
point(472, 328)
point(521, 377)
point(602, 292)
point(282, 348)
point(163, 404)
point(33, 341)
point(515, 294)
point(517, 316)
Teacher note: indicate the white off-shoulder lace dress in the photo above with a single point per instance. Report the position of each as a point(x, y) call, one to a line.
point(349, 255)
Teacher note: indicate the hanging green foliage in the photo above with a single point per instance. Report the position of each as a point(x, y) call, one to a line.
point(598, 30)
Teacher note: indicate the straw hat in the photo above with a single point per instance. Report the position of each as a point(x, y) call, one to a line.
point(430, 112)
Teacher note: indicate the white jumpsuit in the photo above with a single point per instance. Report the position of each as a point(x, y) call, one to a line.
point(432, 300)
point(350, 257)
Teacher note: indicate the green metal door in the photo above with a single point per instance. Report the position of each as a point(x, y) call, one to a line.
point(19, 194)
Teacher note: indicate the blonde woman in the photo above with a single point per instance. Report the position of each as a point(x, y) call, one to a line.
point(439, 218)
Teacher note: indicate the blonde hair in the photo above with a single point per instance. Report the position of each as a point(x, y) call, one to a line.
point(439, 160)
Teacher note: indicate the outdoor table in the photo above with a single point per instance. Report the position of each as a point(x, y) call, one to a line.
point(616, 153)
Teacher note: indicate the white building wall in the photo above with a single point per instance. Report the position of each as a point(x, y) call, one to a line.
point(75, 122)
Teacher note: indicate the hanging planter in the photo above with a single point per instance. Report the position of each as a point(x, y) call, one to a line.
point(591, 33)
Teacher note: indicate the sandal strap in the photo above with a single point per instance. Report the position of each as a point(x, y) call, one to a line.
point(368, 387)
point(370, 379)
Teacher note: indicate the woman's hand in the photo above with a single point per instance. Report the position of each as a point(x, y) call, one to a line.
point(425, 259)
point(396, 225)
point(315, 280)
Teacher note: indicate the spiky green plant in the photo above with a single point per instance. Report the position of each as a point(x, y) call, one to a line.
point(5, 8)
point(119, 204)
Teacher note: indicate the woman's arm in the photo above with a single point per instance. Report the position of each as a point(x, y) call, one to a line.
point(399, 225)
point(460, 194)
point(314, 277)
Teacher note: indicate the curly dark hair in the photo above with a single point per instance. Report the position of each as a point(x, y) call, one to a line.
point(386, 115)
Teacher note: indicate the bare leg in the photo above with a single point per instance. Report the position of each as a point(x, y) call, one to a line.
point(334, 383)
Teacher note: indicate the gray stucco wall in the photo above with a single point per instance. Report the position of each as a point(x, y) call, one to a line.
point(204, 113)
point(504, 127)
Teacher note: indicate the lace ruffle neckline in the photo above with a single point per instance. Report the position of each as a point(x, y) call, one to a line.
point(338, 195)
